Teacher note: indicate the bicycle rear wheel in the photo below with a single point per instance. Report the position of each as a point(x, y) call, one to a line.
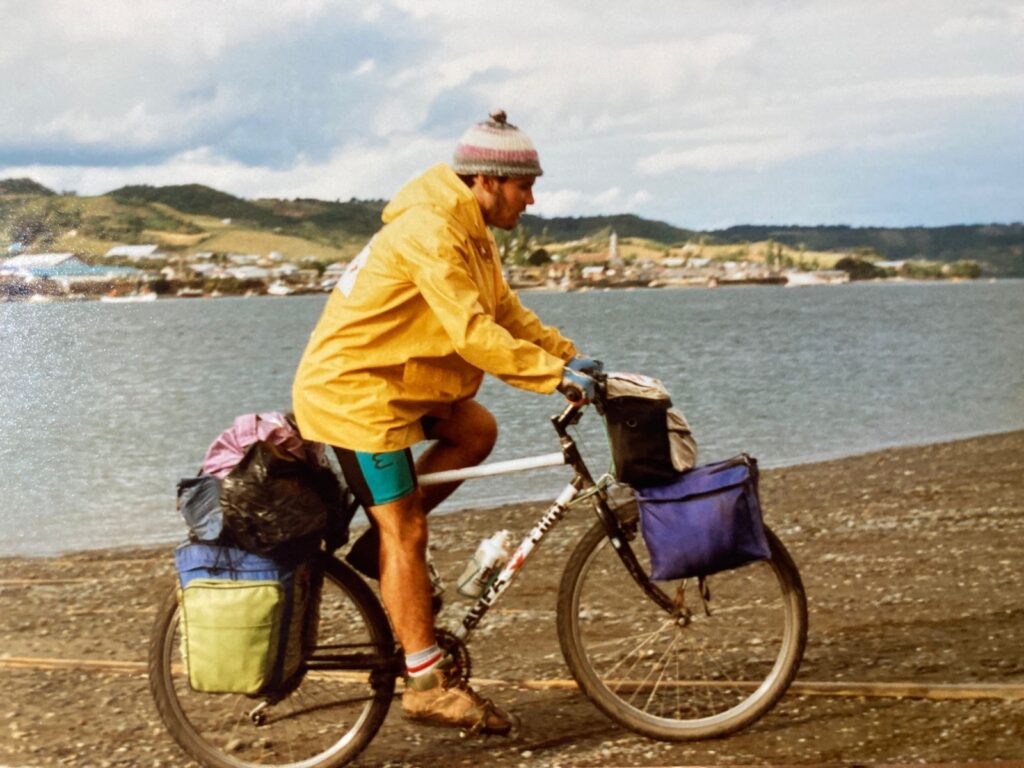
point(324, 722)
point(706, 675)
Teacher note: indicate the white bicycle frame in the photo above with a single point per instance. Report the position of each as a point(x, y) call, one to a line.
point(570, 495)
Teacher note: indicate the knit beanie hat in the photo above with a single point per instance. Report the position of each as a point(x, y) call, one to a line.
point(495, 147)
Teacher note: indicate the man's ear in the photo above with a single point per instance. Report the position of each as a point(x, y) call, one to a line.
point(488, 183)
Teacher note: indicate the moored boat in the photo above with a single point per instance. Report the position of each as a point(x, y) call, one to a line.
point(129, 298)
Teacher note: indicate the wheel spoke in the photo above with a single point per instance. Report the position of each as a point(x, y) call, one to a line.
point(694, 676)
point(325, 721)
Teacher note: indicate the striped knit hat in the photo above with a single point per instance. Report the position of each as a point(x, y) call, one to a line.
point(495, 147)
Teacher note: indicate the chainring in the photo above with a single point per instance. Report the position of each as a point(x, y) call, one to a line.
point(462, 664)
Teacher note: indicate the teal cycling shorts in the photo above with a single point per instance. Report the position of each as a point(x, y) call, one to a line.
point(378, 478)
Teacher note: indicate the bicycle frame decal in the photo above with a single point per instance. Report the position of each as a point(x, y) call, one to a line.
point(555, 513)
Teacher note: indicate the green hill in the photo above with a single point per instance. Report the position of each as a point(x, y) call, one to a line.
point(356, 217)
point(566, 228)
point(23, 187)
point(999, 248)
point(197, 199)
point(192, 217)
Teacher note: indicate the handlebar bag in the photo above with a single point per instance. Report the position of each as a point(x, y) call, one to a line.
point(707, 520)
point(247, 621)
point(650, 440)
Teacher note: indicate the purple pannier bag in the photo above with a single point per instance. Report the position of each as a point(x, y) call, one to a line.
point(706, 520)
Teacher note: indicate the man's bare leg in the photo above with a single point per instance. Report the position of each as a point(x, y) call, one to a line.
point(404, 582)
point(463, 440)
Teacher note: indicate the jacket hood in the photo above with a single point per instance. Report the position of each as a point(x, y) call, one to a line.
point(438, 188)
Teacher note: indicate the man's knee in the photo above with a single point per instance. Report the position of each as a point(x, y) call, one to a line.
point(484, 433)
point(472, 428)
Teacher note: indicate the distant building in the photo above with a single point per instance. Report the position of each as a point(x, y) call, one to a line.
point(61, 265)
point(817, 277)
point(248, 272)
point(285, 270)
point(134, 252)
point(587, 259)
point(42, 262)
point(243, 258)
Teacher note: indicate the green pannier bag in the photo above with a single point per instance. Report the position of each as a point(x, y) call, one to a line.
point(248, 622)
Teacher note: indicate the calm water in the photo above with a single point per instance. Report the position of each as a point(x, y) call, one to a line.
point(103, 407)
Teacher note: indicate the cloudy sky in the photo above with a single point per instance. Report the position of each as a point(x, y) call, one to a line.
point(702, 114)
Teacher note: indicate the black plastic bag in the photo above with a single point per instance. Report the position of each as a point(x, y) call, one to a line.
point(271, 500)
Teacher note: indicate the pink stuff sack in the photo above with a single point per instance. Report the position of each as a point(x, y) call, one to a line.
point(272, 427)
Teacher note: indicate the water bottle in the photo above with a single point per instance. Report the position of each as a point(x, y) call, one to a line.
point(488, 560)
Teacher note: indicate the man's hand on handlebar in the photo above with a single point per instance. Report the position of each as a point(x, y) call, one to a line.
point(587, 365)
point(577, 387)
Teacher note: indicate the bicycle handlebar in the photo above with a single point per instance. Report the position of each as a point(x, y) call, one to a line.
point(574, 409)
point(574, 395)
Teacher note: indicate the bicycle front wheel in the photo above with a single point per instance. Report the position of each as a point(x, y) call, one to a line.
point(324, 722)
point(715, 669)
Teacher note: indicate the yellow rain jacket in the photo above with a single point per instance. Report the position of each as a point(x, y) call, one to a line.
point(414, 323)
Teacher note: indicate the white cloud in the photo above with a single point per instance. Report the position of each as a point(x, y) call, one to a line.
point(568, 202)
point(912, 89)
point(366, 66)
point(357, 170)
point(757, 155)
point(994, 21)
point(317, 97)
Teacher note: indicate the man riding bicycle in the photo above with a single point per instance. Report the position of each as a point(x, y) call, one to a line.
point(420, 315)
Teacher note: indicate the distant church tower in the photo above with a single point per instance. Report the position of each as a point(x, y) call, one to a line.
point(614, 262)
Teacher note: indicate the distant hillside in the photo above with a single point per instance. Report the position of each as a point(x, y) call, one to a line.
point(999, 248)
point(194, 216)
point(566, 228)
point(357, 217)
point(196, 199)
point(23, 187)
point(316, 217)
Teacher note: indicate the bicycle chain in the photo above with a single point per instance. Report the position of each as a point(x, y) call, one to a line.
point(462, 664)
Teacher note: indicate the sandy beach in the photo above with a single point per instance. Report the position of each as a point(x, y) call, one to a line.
point(911, 558)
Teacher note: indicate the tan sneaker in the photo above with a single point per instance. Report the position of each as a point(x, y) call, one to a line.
point(441, 699)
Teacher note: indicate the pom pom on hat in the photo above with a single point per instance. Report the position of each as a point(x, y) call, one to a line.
point(495, 147)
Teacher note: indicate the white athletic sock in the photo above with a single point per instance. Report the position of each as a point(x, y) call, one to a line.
point(423, 662)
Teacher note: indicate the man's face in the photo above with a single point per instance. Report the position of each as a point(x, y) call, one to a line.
point(502, 202)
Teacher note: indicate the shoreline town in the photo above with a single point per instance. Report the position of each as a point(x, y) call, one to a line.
point(910, 559)
point(141, 273)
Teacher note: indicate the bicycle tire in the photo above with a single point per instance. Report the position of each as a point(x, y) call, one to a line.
point(672, 680)
point(324, 721)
